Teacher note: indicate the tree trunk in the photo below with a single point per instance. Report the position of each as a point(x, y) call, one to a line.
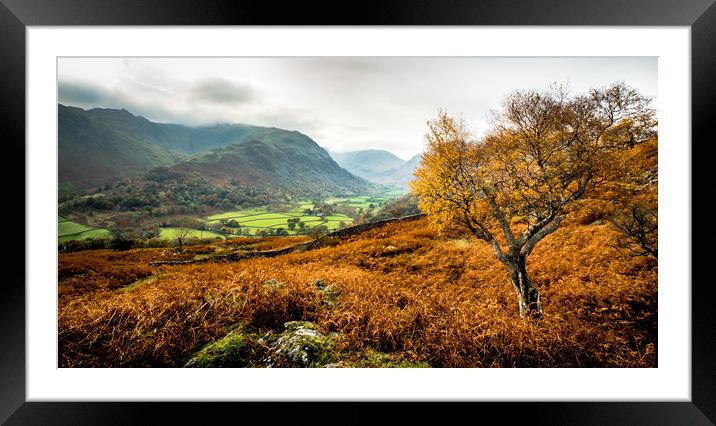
point(528, 298)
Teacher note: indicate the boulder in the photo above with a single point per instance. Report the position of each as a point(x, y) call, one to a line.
point(301, 344)
point(328, 292)
point(229, 351)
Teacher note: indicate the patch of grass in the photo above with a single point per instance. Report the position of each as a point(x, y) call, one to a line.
point(335, 224)
point(92, 233)
point(301, 207)
point(339, 217)
point(170, 233)
point(69, 230)
point(265, 216)
point(147, 280)
point(67, 227)
point(265, 222)
point(237, 214)
point(371, 358)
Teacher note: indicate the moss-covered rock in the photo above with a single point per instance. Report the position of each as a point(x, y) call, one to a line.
point(328, 292)
point(300, 345)
point(229, 351)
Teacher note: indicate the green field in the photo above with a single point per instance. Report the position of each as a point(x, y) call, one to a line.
point(269, 222)
point(68, 230)
point(363, 201)
point(237, 214)
point(255, 220)
point(301, 207)
point(67, 227)
point(251, 220)
point(173, 233)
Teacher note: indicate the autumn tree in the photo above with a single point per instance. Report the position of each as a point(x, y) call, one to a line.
point(514, 186)
point(638, 224)
point(318, 231)
point(292, 221)
point(184, 227)
point(396, 211)
point(635, 215)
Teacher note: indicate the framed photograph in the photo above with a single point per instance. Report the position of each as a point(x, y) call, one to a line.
point(439, 202)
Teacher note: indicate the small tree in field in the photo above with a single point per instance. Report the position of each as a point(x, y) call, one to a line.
point(185, 226)
point(515, 186)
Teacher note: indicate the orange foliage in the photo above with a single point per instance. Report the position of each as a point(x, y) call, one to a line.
point(401, 288)
point(266, 243)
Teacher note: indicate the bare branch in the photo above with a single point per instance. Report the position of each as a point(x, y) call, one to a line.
point(526, 249)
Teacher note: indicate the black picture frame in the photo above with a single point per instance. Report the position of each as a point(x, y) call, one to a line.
point(16, 15)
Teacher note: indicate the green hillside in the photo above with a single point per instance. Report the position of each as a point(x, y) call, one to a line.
point(263, 157)
point(101, 146)
point(96, 148)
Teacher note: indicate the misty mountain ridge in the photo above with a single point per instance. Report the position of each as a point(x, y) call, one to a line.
point(378, 166)
point(100, 146)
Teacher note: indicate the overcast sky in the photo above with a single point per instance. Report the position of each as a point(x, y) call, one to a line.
point(344, 104)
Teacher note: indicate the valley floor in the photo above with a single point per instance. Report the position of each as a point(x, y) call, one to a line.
point(258, 221)
point(397, 296)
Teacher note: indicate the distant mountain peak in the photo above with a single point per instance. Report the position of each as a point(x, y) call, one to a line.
point(379, 166)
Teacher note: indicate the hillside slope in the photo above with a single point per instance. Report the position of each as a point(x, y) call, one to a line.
point(101, 146)
point(399, 293)
point(378, 166)
point(274, 157)
point(96, 147)
point(404, 174)
point(368, 163)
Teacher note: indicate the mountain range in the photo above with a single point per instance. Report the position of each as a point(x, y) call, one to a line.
point(97, 147)
point(378, 166)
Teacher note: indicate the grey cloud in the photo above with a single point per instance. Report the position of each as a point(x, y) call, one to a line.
point(290, 119)
point(221, 91)
point(138, 86)
point(80, 94)
point(343, 66)
point(88, 95)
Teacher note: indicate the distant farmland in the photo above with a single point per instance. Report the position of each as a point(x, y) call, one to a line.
point(172, 234)
point(255, 220)
point(68, 230)
point(251, 221)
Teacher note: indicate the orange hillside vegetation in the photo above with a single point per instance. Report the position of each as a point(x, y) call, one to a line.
point(402, 289)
